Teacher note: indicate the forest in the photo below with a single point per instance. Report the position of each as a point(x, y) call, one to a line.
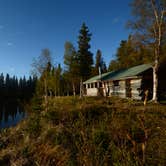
point(14, 89)
point(145, 44)
point(64, 127)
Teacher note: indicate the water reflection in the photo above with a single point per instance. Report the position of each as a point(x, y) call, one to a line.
point(10, 114)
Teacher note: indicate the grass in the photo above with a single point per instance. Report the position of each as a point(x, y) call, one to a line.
point(90, 131)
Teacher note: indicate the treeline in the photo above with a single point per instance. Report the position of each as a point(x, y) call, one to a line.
point(146, 44)
point(12, 88)
point(79, 66)
point(132, 52)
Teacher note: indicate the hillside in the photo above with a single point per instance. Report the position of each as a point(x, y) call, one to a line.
point(89, 132)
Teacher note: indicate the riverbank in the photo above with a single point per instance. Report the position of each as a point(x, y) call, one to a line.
point(88, 131)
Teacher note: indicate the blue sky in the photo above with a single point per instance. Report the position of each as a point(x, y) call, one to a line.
point(28, 26)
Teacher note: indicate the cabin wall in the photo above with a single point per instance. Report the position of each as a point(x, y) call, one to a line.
point(111, 88)
point(119, 89)
point(92, 92)
point(130, 87)
point(135, 87)
point(127, 88)
point(122, 88)
point(105, 87)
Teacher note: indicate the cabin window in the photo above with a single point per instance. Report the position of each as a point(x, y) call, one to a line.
point(92, 85)
point(95, 84)
point(100, 84)
point(88, 85)
point(116, 83)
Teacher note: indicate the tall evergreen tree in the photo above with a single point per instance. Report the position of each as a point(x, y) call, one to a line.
point(2, 84)
point(58, 78)
point(7, 86)
point(13, 89)
point(100, 65)
point(85, 57)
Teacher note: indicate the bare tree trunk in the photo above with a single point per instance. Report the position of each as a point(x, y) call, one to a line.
point(74, 90)
point(155, 81)
point(81, 89)
point(45, 89)
point(50, 93)
point(157, 28)
point(55, 93)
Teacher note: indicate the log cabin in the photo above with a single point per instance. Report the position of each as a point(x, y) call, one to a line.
point(125, 83)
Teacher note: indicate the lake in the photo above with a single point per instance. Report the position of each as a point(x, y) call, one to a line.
point(11, 113)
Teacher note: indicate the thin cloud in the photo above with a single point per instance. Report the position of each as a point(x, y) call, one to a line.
point(1, 27)
point(12, 69)
point(115, 20)
point(10, 44)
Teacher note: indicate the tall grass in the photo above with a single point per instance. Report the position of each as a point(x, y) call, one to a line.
point(89, 132)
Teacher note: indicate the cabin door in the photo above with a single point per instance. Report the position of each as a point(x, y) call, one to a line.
point(128, 89)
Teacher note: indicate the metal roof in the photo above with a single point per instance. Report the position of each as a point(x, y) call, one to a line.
point(121, 74)
point(97, 78)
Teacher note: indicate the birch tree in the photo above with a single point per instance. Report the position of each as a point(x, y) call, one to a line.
point(41, 68)
point(149, 24)
point(71, 65)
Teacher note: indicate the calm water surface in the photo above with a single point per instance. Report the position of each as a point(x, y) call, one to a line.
point(11, 113)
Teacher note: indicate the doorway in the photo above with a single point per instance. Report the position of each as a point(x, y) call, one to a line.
point(128, 89)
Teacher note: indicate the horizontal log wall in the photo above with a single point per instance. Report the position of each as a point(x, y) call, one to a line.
point(119, 90)
point(92, 91)
point(108, 88)
point(135, 86)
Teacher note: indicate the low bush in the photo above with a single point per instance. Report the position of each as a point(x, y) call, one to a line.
point(90, 131)
point(33, 126)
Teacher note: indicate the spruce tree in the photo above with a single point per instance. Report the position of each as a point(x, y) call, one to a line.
point(1, 85)
point(85, 57)
point(100, 65)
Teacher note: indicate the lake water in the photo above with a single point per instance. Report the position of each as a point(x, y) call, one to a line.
point(10, 114)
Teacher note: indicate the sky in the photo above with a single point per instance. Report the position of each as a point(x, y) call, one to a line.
point(28, 26)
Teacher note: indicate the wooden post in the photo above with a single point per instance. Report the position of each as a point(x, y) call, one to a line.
point(146, 97)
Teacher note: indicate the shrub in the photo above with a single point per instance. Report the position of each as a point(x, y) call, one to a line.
point(33, 126)
point(101, 139)
point(53, 116)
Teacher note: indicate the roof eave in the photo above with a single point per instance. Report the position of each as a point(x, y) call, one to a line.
point(124, 78)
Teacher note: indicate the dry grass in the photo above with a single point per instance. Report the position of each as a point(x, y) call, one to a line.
point(88, 131)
